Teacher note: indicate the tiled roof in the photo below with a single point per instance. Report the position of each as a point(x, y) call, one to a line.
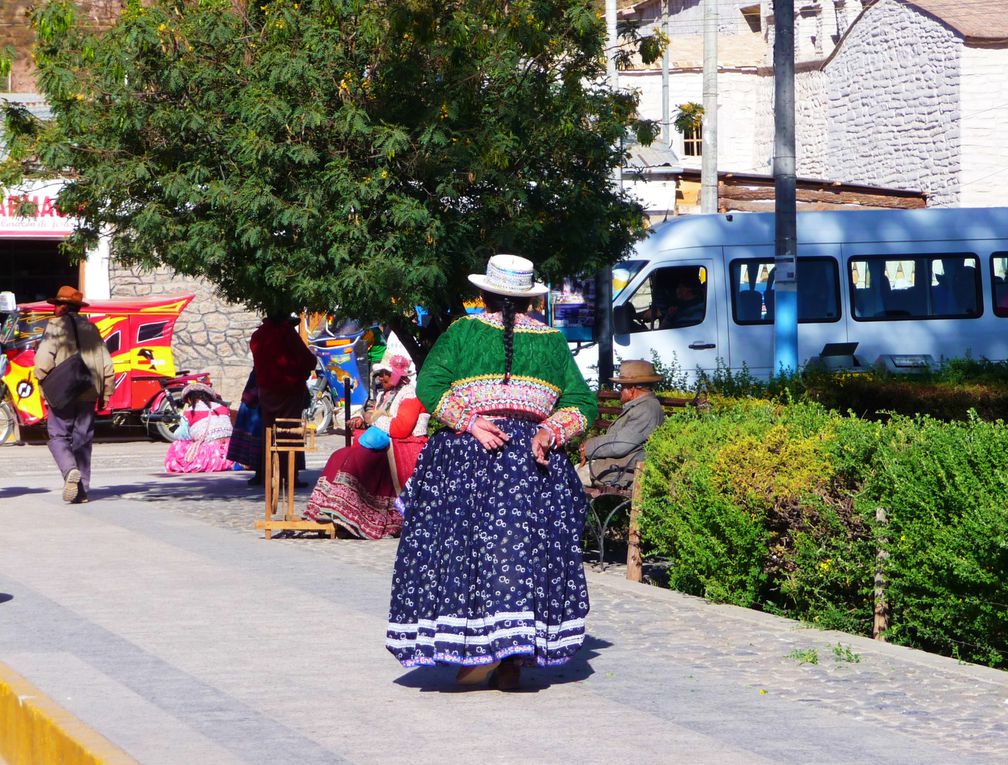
point(981, 20)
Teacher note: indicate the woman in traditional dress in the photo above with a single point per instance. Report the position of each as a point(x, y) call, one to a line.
point(208, 423)
point(246, 445)
point(489, 575)
point(358, 486)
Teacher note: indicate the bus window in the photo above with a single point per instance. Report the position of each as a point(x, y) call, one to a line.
point(943, 286)
point(752, 283)
point(148, 332)
point(113, 342)
point(999, 282)
point(670, 298)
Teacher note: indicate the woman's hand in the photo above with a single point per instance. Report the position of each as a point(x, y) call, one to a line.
point(488, 434)
point(542, 442)
point(355, 423)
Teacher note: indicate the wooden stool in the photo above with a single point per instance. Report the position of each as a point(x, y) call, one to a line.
point(289, 437)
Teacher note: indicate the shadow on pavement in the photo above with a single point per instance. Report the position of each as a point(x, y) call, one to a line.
point(5, 596)
point(10, 492)
point(441, 679)
point(195, 487)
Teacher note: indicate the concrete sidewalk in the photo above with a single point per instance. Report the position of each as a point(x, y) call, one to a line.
point(159, 617)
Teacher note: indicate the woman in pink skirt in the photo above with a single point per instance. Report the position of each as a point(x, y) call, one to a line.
point(208, 422)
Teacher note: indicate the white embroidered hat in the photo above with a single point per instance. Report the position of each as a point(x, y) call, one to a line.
point(509, 275)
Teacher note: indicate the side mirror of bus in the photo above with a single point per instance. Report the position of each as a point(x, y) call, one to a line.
point(622, 317)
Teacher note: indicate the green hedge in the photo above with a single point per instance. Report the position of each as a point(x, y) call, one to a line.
point(773, 507)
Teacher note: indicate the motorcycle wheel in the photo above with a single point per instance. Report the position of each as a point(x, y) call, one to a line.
point(321, 414)
point(8, 423)
point(166, 429)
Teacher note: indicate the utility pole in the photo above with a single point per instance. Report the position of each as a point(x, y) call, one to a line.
point(708, 164)
point(603, 278)
point(666, 119)
point(785, 204)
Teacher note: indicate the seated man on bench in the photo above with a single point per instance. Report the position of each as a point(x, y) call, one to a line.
point(610, 459)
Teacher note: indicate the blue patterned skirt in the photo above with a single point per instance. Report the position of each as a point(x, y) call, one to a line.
point(489, 562)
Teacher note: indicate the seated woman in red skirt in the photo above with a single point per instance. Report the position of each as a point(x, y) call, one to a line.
point(359, 485)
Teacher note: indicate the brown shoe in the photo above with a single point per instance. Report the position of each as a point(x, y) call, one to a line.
point(71, 485)
point(507, 677)
point(476, 675)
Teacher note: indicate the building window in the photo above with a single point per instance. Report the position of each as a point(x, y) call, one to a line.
point(689, 121)
point(693, 142)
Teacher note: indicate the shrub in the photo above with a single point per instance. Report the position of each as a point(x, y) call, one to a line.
point(773, 506)
point(945, 486)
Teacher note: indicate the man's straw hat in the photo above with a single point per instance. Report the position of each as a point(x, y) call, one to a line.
point(636, 371)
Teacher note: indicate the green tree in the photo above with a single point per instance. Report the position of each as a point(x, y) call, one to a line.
point(359, 154)
point(688, 117)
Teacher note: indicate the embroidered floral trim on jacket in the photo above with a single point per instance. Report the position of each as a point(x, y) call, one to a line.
point(565, 424)
point(523, 322)
point(487, 395)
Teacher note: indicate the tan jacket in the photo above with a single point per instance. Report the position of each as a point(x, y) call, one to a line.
point(58, 344)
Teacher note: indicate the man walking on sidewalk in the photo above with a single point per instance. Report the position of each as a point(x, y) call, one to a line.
point(71, 428)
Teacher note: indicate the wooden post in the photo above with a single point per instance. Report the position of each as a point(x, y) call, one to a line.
point(881, 621)
point(634, 563)
point(347, 434)
point(268, 480)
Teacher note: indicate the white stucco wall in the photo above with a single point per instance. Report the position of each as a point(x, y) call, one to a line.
point(687, 17)
point(737, 107)
point(984, 115)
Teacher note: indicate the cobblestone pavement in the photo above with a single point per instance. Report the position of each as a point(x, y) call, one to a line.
point(663, 678)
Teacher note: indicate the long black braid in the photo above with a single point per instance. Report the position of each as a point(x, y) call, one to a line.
point(508, 317)
point(508, 307)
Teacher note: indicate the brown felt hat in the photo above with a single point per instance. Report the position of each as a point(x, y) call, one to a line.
point(636, 371)
point(70, 296)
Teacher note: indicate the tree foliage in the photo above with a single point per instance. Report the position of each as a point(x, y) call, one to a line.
point(365, 154)
point(688, 117)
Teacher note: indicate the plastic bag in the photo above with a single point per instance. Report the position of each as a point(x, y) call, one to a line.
point(374, 438)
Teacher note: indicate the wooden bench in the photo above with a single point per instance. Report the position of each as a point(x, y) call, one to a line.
point(626, 492)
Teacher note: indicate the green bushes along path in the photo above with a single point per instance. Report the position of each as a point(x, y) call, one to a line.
point(773, 506)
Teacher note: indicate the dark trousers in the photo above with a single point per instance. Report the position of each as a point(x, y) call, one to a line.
point(71, 432)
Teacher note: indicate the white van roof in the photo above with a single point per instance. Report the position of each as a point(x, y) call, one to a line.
point(733, 229)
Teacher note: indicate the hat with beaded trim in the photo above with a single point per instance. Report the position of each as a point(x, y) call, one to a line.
point(509, 275)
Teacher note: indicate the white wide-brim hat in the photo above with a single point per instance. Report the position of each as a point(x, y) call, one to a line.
point(509, 275)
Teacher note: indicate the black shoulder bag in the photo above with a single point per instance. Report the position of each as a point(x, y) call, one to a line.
point(68, 379)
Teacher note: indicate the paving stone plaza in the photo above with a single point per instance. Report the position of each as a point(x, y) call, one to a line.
point(158, 616)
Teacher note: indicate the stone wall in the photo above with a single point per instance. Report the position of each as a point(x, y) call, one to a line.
point(893, 104)
point(210, 335)
point(884, 111)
